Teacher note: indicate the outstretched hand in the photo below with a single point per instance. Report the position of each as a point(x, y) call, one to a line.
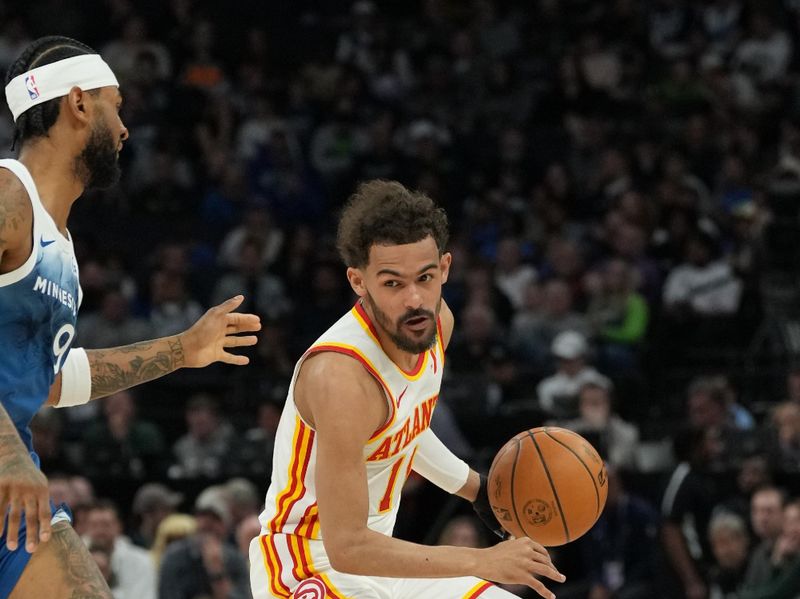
point(217, 330)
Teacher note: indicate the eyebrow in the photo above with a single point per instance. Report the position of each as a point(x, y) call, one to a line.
point(394, 273)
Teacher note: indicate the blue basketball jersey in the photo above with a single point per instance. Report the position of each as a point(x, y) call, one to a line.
point(38, 309)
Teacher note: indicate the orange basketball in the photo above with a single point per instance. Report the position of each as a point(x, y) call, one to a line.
point(548, 484)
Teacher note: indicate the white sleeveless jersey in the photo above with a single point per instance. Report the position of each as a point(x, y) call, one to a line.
point(291, 503)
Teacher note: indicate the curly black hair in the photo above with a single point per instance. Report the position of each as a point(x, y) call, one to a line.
point(385, 212)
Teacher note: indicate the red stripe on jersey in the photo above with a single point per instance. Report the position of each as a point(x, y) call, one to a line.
point(474, 592)
point(297, 471)
point(274, 568)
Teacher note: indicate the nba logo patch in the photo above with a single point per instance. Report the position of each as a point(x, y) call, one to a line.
point(30, 84)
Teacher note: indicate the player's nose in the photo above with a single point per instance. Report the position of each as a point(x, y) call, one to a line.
point(413, 297)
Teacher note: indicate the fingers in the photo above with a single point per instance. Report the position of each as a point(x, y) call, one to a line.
point(44, 518)
point(243, 323)
point(233, 341)
point(234, 359)
point(31, 524)
point(537, 586)
point(3, 510)
point(14, 515)
point(231, 304)
point(548, 570)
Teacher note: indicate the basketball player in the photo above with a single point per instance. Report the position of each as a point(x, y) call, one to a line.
point(355, 424)
point(65, 103)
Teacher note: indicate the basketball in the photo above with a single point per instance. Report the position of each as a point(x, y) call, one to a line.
point(548, 484)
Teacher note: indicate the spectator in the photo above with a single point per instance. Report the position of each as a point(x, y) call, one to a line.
point(257, 224)
point(172, 308)
point(618, 315)
point(702, 286)
point(730, 543)
point(784, 575)
point(708, 409)
point(686, 508)
point(202, 450)
point(783, 436)
point(152, 503)
point(766, 519)
point(619, 552)
point(113, 325)
point(122, 445)
point(247, 530)
point(558, 393)
point(204, 563)
point(243, 499)
point(131, 566)
point(513, 276)
point(253, 455)
point(616, 440)
point(172, 528)
point(535, 335)
point(264, 292)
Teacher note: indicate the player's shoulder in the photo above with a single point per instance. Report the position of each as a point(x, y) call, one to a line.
point(16, 211)
point(333, 367)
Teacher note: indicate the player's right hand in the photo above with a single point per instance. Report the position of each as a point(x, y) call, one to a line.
point(519, 561)
point(23, 488)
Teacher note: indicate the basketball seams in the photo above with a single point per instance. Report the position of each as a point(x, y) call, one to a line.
point(513, 497)
point(552, 486)
point(588, 470)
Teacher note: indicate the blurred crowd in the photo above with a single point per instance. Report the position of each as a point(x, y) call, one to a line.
point(622, 181)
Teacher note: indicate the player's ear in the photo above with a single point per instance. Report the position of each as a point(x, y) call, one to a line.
point(444, 263)
point(356, 278)
point(76, 104)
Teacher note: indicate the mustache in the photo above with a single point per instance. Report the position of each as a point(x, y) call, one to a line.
point(415, 314)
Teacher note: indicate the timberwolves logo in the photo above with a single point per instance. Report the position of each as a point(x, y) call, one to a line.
point(310, 588)
point(30, 84)
point(538, 512)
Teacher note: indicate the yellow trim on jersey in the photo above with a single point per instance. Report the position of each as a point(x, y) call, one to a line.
point(478, 589)
point(274, 568)
point(295, 486)
point(336, 593)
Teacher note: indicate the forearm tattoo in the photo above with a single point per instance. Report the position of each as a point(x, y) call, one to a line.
point(122, 367)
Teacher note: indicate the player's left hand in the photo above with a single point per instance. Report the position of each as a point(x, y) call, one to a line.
point(207, 340)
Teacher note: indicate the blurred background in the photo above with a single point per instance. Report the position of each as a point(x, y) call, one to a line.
point(623, 183)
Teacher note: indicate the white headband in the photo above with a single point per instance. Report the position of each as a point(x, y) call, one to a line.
point(87, 71)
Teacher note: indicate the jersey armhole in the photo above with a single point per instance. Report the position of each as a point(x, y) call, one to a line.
point(357, 355)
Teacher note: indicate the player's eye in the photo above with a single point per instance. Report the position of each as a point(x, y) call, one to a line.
point(390, 283)
point(426, 277)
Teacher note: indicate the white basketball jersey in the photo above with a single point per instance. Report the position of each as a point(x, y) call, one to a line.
point(291, 504)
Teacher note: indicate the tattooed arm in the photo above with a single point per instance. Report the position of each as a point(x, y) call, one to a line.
point(16, 222)
point(119, 368)
point(204, 343)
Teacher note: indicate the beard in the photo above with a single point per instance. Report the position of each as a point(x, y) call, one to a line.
point(402, 341)
point(98, 165)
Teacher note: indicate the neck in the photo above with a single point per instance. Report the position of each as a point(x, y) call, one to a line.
point(53, 171)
